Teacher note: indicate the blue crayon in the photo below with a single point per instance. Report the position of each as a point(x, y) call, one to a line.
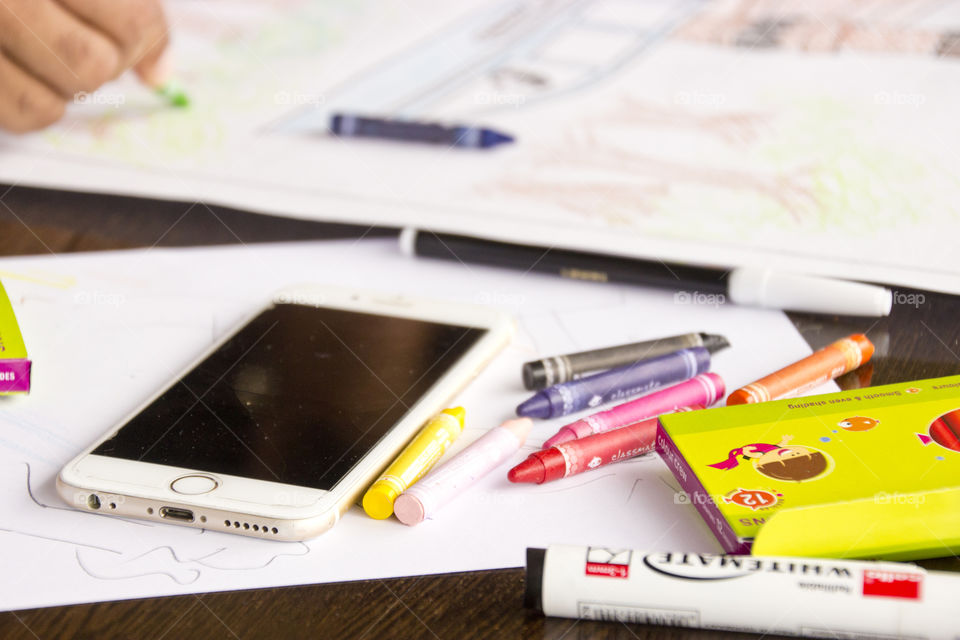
point(351, 126)
point(616, 384)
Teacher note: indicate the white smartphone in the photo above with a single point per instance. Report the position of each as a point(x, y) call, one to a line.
point(279, 427)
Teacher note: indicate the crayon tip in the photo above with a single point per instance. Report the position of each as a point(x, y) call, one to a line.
point(536, 406)
point(520, 427)
point(564, 435)
point(490, 138)
point(530, 470)
point(408, 509)
point(173, 94)
point(865, 346)
point(740, 396)
point(714, 342)
point(456, 412)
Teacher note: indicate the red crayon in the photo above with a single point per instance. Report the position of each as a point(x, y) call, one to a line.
point(576, 456)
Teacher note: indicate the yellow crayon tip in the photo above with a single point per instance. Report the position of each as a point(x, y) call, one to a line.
point(456, 412)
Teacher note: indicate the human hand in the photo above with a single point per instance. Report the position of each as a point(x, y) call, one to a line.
point(51, 50)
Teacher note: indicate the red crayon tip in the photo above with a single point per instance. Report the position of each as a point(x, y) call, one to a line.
point(530, 470)
point(541, 466)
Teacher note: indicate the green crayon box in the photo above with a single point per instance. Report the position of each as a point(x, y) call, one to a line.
point(14, 365)
point(863, 473)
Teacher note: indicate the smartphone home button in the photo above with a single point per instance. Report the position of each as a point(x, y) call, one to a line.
point(194, 485)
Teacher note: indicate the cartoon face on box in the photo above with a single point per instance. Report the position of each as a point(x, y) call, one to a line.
point(783, 461)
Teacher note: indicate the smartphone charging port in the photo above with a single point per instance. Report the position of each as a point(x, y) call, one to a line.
point(173, 513)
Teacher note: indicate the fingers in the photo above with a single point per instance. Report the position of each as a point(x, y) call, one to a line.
point(154, 69)
point(137, 27)
point(26, 103)
point(50, 50)
point(56, 47)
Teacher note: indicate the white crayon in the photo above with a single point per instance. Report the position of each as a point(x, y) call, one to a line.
point(442, 484)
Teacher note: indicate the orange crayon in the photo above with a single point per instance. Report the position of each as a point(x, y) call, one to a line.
point(826, 364)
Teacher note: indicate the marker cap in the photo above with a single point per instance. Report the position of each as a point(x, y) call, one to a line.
point(533, 585)
point(813, 294)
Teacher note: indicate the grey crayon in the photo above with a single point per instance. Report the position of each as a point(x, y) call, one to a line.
point(547, 372)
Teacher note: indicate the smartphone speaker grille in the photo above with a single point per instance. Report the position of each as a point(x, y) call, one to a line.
point(259, 528)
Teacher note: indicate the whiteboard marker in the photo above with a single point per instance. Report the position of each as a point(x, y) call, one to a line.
point(768, 595)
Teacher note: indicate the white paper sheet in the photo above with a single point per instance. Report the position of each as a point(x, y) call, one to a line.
point(809, 136)
point(104, 331)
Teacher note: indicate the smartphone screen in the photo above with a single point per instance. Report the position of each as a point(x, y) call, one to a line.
point(297, 396)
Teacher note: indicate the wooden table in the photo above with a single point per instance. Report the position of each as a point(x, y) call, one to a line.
point(916, 341)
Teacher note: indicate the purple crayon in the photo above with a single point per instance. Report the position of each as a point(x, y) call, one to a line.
point(616, 384)
point(704, 389)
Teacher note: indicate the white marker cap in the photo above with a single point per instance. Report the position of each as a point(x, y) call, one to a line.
point(813, 294)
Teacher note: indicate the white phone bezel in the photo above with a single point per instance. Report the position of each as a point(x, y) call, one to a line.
point(272, 509)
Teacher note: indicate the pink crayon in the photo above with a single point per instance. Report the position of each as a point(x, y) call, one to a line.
point(459, 473)
point(704, 389)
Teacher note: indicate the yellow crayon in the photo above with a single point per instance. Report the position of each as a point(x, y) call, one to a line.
point(414, 461)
